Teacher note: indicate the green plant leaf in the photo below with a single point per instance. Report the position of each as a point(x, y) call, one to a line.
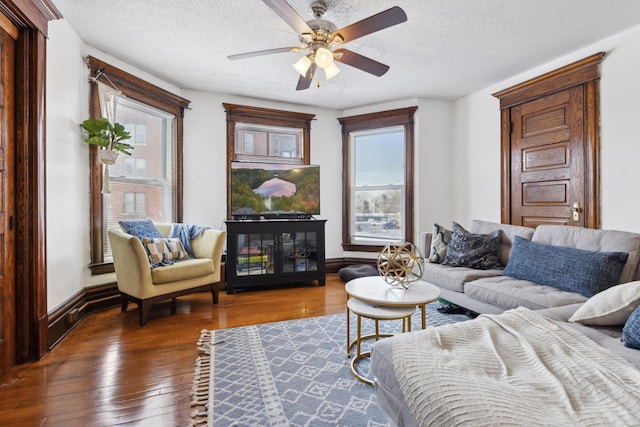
point(107, 135)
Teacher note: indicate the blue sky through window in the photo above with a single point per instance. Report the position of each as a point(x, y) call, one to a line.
point(379, 158)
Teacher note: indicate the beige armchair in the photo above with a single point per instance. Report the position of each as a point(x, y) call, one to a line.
point(141, 284)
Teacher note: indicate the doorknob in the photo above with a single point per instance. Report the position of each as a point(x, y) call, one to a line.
point(575, 211)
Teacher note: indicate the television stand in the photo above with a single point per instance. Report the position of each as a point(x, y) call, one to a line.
point(274, 251)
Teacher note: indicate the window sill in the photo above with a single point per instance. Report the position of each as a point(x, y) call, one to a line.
point(351, 247)
point(102, 268)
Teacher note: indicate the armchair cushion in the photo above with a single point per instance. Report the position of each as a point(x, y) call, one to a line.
point(164, 251)
point(183, 270)
point(141, 228)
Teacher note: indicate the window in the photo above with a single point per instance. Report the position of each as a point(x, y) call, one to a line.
point(269, 144)
point(134, 203)
point(148, 183)
point(264, 135)
point(377, 179)
point(137, 131)
point(134, 166)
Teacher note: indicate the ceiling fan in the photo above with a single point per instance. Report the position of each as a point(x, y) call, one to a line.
point(320, 37)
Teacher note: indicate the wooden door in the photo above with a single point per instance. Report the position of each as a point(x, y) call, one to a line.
point(7, 249)
point(549, 147)
point(547, 160)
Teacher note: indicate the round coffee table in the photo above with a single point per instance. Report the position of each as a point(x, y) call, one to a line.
point(374, 290)
point(376, 313)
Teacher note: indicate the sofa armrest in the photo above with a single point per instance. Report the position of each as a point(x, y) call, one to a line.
point(425, 243)
point(130, 260)
point(210, 245)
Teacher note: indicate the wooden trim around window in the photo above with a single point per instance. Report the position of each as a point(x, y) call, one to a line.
point(142, 91)
point(400, 117)
point(267, 117)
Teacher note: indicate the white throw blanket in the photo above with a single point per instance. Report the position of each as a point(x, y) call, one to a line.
point(517, 368)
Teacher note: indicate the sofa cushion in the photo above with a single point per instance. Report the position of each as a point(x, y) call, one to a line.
point(183, 270)
point(439, 243)
point(473, 250)
point(609, 307)
point(570, 269)
point(631, 330)
point(140, 228)
point(164, 250)
point(454, 278)
point(594, 240)
point(506, 237)
point(507, 293)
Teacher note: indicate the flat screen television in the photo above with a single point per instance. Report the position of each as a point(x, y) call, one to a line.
point(272, 190)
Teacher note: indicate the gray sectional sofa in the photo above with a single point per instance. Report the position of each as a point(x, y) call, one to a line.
point(492, 292)
point(486, 371)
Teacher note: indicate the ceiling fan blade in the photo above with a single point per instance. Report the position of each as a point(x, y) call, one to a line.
point(263, 52)
point(380, 21)
point(305, 82)
point(361, 62)
point(290, 16)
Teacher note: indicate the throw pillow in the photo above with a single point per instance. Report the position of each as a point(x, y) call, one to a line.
point(479, 251)
point(610, 307)
point(164, 251)
point(631, 330)
point(140, 228)
point(569, 269)
point(439, 243)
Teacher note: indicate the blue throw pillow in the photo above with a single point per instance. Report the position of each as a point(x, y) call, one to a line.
point(631, 330)
point(569, 269)
point(141, 228)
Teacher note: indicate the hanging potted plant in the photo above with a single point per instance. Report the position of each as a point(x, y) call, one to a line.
point(108, 137)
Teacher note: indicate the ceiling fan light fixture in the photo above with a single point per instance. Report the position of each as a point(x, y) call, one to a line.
point(324, 57)
point(302, 65)
point(331, 71)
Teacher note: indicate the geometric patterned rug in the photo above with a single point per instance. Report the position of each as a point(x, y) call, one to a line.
point(292, 373)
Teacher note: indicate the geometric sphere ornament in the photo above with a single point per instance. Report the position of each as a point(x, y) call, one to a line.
point(400, 264)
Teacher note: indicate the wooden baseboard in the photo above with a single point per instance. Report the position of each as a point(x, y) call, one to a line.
point(89, 300)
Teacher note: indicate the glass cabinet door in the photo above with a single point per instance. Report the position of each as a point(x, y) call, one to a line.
point(255, 254)
point(299, 251)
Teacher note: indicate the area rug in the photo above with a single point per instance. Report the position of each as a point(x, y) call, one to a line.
point(293, 373)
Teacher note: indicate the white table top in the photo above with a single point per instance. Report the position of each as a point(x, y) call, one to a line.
point(379, 312)
point(375, 290)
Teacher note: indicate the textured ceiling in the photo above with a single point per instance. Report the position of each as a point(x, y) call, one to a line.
point(446, 49)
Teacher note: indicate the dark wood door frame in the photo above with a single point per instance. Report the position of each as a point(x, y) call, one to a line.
point(584, 72)
point(31, 17)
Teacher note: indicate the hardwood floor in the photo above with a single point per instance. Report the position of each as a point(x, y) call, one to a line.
point(110, 371)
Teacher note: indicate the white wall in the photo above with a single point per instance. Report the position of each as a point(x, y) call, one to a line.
point(67, 174)
point(476, 137)
point(434, 151)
